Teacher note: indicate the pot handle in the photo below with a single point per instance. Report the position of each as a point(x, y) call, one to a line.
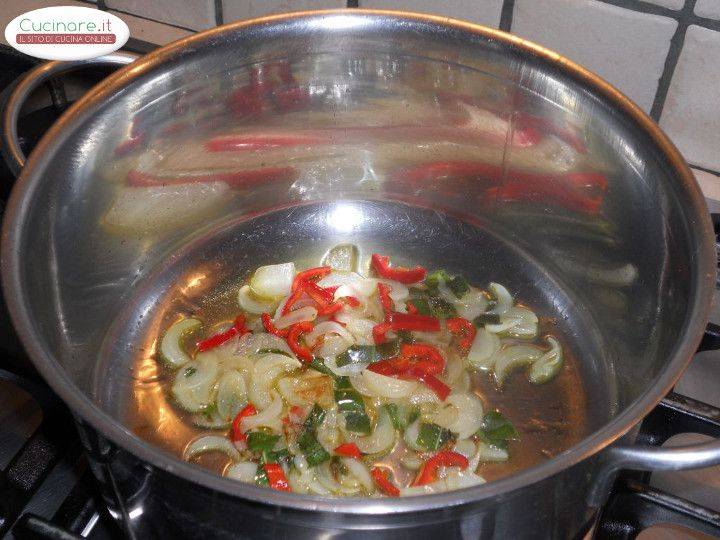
point(33, 79)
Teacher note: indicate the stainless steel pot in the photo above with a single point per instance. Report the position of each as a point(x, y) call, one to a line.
point(625, 262)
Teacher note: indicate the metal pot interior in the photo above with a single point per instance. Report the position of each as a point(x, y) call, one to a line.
point(619, 277)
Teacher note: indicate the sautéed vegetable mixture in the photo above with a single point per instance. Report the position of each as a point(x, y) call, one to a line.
point(334, 383)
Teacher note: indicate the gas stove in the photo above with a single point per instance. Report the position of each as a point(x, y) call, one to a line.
point(48, 491)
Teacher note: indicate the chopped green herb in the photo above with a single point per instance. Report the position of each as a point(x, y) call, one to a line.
point(314, 453)
point(274, 351)
point(358, 354)
point(486, 318)
point(190, 371)
point(260, 441)
point(307, 441)
point(432, 437)
point(390, 348)
point(351, 403)
point(275, 456)
point(318, 365)
point(433, 280)
point(441, 308)
point(496, 430)
point(422, 305)
point(459, 286)
point(400, 415)
point(405, 336)
point(315, 418)
point(261, 478)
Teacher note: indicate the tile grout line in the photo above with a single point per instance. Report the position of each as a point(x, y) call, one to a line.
point(219, 15)
point(704, 169)
point(676, 45)
point(506, 15)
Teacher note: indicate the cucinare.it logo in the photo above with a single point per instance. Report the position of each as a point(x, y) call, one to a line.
point(66, 33)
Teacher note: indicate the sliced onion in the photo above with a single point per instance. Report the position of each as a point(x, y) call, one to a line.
point(411, 462)
point(454, 368)
point(194, 384)
point(358, 469)
point(273, 281)
point(326, 479)
point(171, 351)
point(502, 297)
point(343, 257)
point(470, 414)
point(211, 443)
point(381, 440)
point(445, 416)
point(514, 357)
point(483, 350)
point(423, 394)
point(518, 320)
point(346, 370)
point(350, 284)
point(360, 328)
point(466, 447)
point(327, 433)
point(268, 368)
point(489, 452)
point(250, 344)
point(328, 327)
point(303, 314)
point(231, 395)
point(548, 365)
point(473, 303)
point(269, 417)
point(411, 434)
point(388, 387)
point(248, 302)
point(244, 471)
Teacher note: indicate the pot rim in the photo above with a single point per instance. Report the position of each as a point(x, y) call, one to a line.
point(55, 375)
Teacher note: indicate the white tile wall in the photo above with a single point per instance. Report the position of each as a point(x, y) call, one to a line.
point(485, 12)
point(672, 4)
point(195, 14)
point(625, 47)
point(710, 185)
point(150, 31)
point(244, 9)
point(691, 115)
point(708, 8)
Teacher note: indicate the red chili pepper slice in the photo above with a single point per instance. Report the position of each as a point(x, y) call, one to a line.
point(322, 297)
point(237, 329)
point(348, 450)
point(311, 274)
point(420, 359)
point(293, 340)
point(464, 329)
point(421, 323)
point(270, 327)
point(381, 264)
point(379, 332)
point(428, 472)
point(385, 300)
point(411, 309)
point(382, 480)
point(416, 361)
point(276, 477)
point(436, 385)
point(248, 410)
